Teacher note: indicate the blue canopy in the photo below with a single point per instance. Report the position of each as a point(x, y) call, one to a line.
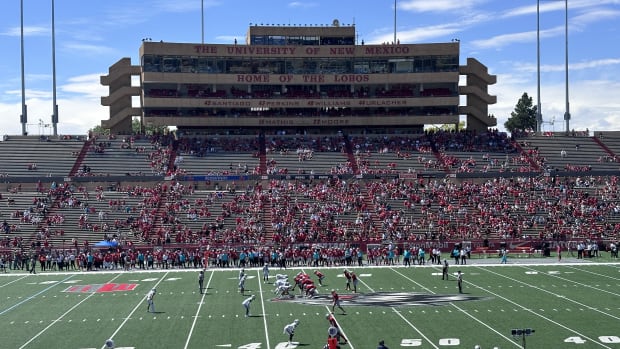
point(106, 243)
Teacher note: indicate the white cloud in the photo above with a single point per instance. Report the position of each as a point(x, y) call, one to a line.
point(79, 105)
point(88, 49)
point(28, 31)
point(229, 39)
point(502, 40)
point(168, 6)
point(418, 35)
point(594, 16)
point(86, 85)
point(301, 4)
point(571, 66)
point(558, 5)
point(437, 5)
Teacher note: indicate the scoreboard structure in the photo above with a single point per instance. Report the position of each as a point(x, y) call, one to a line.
point(310, 78)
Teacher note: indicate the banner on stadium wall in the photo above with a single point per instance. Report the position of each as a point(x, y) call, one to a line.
point(214, 178)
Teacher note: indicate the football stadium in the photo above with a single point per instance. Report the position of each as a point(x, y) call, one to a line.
point(298, 199)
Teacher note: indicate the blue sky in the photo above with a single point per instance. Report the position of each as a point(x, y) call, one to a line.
point(92, 35)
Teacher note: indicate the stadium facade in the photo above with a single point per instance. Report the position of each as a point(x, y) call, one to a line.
point(294, 78)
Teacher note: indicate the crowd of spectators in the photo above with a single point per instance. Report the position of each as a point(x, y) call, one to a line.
point(327, 211)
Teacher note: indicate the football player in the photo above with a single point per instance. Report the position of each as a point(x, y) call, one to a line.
point(333, 323)
point(347, 275)
point(150, 301)
point(242, 284)
point(336, 302)
point(319, 275)
point(290, 330)
point(246, 304)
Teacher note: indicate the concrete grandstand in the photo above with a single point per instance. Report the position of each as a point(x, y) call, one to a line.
point(293, 193)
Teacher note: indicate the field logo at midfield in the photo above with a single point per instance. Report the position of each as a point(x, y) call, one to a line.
point(100, 288)
point(386, 299)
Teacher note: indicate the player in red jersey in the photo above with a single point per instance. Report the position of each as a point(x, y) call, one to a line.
point(319, 275)
point(355, 281)
point(336, 302)
point(333, 323)
point(347, 275)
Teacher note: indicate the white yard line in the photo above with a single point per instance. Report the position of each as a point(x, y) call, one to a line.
point(414, 328)
point(340, 329)
point(365, 284)
point(556, 294)
point(134, 309)
point(535, 313)
point(202, 300)
point(262, 303)
point(460, 309)
point(61, 316)
point(597, 274)
point(10, 282)
point(337, 323)
point(34, 295)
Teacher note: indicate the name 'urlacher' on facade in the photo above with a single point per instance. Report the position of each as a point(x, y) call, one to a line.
point(296, 78)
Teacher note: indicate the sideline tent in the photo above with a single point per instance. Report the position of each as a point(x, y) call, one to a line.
point(106, 244)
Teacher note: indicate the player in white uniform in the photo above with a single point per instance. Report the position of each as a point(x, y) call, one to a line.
point(242, 284)
point(290, 330)
point(266, 272)
point(246, 304)
point(283, 290)
point(280, 282)
point(150, 301)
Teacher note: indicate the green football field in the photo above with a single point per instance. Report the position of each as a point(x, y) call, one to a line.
point(568, 305)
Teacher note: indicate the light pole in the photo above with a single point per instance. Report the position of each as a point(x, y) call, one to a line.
point(54, 105)
point(538, 106)
point(567, 113)
point(202, 21)
point(24, 117)
point(394, 42)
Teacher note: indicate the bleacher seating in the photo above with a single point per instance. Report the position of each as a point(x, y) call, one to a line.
point(568, 153)
point(373, 188)
point(38, 156)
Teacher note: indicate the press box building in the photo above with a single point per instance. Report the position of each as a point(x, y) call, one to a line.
point(311, 78)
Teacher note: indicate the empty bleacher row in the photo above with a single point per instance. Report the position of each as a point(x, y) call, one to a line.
point(38, 156)
point(438, 152)
point(125, 156)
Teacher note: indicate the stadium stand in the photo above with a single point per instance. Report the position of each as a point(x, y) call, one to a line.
point(207, 196)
